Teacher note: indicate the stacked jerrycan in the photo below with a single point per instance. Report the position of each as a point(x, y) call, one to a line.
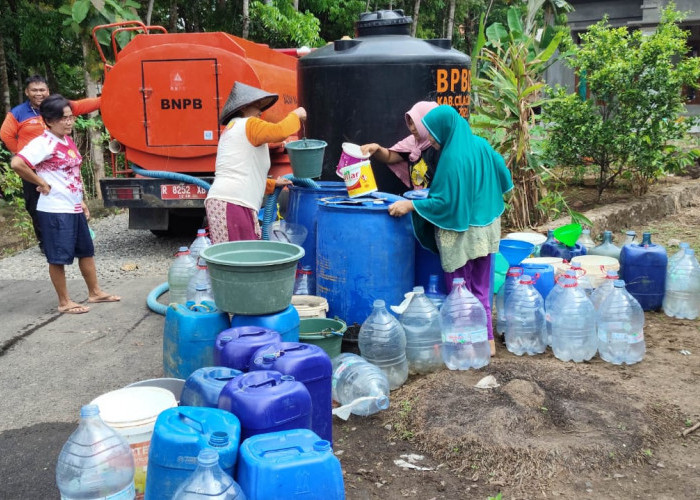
point(573, 324)
point(421, 323)
point(682, 297)
point(620, 322)
point(527, 331)
point(554, 248)
point(463, 325)
point(382, 342)
point(203, 386)
point(643, 269)
point(358, 385)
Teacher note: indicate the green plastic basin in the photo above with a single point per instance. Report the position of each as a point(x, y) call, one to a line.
point(326, 333)
point(252, 277)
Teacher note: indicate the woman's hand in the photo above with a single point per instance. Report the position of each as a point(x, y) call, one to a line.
point(370, 149)
point(400, 208)
point(301, 113)
point(281, 182)
point(44, 188)
point(86, 210)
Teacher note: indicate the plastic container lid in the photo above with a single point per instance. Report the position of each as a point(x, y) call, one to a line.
point(133, 406)
point(534, 238)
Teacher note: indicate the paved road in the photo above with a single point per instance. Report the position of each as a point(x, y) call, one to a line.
point(51, 364)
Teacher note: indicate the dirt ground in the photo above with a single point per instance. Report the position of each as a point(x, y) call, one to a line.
point(551, 429)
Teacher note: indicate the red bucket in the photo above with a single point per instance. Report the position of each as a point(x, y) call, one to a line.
point(351, 154)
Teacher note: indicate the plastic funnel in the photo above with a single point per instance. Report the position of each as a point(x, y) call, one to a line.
point(515, 251)
point(288, 232)
point(568, 235)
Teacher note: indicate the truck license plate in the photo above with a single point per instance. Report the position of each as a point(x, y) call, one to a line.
point(182, 192)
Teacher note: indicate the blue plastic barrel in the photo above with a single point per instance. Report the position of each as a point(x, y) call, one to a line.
point(426, 262)
point(267, 401)
point(203, 387)
point(302, 208)
point(643, 268)
point(310, 365)
point(289, 464)
point(234, 347)
point(286, 323)
point(542, 274)
point(363, 254)
point(188, 339)
point(178, 436)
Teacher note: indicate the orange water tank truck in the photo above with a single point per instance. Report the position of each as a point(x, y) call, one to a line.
point(161, 101)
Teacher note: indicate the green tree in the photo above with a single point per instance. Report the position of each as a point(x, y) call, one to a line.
point(279, 25)
point(629, 126)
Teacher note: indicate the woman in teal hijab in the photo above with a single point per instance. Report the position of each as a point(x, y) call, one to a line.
point(461, 217)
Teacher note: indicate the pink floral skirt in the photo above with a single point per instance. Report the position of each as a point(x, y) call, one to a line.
point(231, 222)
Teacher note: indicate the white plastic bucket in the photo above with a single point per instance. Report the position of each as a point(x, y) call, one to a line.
point(556, 262)
point(132, 412)
point(596, 267)
point(310, 306)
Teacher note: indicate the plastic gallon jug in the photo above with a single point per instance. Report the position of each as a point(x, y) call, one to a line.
point(582, 278)
point(203, 386)
point(643, 269)
point(599, 294)
point(433, 291)
point(179, 274)
point(673, 259)
point(512, 277)
point(267, 401)
point(179, 435)
point(630, 236)
point(527, 330)
point(607, 247)
point(234, 347)
point(682, 297)
point(305, 283)
point(132, 412)
point(95, 462)
point(310, 365)
point(355, 378)
point(550, 300)
point(573, 325)
point(421, 324)
point(287, 465)
point(209, 481)
point(465, 342)
point(201, 275)
point(586, 240)
point(620, 322)
point(201, 242)
point(188, 338)
point(382, 342)
point(285, 322)
point(542, 275)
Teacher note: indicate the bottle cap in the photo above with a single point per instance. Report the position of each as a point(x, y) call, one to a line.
point(89, 411)
point(201, 232)
point(208, 456)
point(457, 281)
point(201, 287)
point(379, 303)
point(619, 283)
point(418, 289)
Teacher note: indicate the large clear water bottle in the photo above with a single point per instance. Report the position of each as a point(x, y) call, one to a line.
point(465, 342)
point(586, 240)
point(304, 283)
point(421, 323)
point(209, 481)
point(527, 330)
point(382, 342)
point(673, 259)
point(584, 283)
point(201, 242)
point(551, 299)
point(607, 247)
point(201, 275)
point(599, 294)
point(96, 462)
point(434, 293)
point(573, 325)
point(353, 378)
point(630, 236)
point(512, 277)
point(203, 300)
point(682, 295)
point(179, 275)
point(620, 322)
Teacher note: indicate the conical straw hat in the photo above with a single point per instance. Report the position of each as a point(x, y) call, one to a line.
point(243, 95)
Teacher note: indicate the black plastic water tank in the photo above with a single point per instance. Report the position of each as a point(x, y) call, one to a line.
point(357, 90)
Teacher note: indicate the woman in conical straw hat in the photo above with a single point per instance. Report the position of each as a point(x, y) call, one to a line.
point(243, 161)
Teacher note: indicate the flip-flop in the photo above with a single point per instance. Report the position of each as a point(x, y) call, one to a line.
point(105, 298)
point(73, 309)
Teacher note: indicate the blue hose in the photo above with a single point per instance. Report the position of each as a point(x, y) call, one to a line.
point(270, 208)
point(175, 176)
point(152, 299)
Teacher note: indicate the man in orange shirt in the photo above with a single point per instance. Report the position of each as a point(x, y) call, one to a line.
point(24, 123)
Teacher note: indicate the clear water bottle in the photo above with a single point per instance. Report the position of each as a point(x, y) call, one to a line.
point(382, 342)
point(573, 325)
point(201, 275)
point(620, 322)
point(433, 292)
point(209, 481)
point(304, 284)
point(353, 378)
point(682, 294)
point(465, 342)
point(421, 323)
point(203, 300)
point(607, 247)
point(599, 294)
point(179, 274)
point(201, 242)
point(512, 278)
point(586, 240)
point(527, 330)
point(673, 259)
point(584, 283)
point(630, 236)
point(96, 462)
point(551, 299)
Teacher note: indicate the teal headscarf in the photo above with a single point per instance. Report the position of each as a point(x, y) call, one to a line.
point(470, 180)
